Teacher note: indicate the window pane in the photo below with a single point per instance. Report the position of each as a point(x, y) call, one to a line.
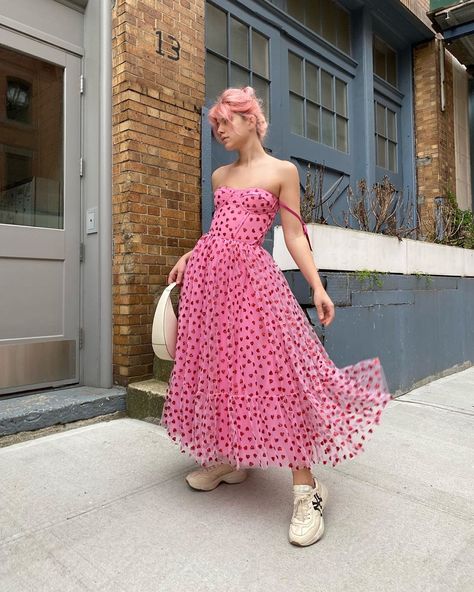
point(328, 128)
point(31, 141)
point(329, 21)
point(262, 89)
point(312, 83)
point(216, 76)
point(313, 126)
point(296, 9)
point(239, 76)
point(341, 97)
point(343, 32)
point(385, 61)
point(313, 17)
point(259, 54)
point(341, 134)
point(392, 156)
point(379, 59)
point(392, 68)
point(326, 90)
point(380, 126)
point(381, 160)
point(296, 115)
point(216, 30)
point(391, 125)
point(295, 68)
point(239, 42)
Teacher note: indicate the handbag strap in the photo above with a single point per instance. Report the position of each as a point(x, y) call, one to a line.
point(305, 228)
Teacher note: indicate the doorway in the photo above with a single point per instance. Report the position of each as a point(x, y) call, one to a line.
point(40, 213)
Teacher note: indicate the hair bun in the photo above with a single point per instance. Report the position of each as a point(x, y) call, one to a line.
point(249, 91)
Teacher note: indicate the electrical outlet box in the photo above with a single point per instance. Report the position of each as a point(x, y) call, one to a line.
point(91, 221)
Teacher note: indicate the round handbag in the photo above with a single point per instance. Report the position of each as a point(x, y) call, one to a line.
point(165, 326)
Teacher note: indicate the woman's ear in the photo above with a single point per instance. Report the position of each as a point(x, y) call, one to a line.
point(252, 119)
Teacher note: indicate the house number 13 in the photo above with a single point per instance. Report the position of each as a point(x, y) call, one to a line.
point(175, 46)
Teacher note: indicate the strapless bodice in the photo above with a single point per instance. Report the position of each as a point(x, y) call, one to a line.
point(243, 214)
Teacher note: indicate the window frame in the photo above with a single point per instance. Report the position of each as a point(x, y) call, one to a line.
point(319, 103)
point(282, 6)
point(378, 38)
point(231, 62)
point(386, 137)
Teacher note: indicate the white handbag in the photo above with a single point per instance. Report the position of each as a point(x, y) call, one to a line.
point(165, 326)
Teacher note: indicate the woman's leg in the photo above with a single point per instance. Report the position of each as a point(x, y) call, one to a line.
point(302, 477)
point(310, 496)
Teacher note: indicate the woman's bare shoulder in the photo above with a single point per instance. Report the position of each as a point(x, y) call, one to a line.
point(279, 164)
point(280, 169)
point(219, 175)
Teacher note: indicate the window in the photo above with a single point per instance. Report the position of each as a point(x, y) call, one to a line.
point(324, 17)
point(318, 104)
point(386, 137)
point(236, 55)
point(18, 100)
point(385, 61)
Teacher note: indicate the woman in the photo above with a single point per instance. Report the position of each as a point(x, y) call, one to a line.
point(252, 385)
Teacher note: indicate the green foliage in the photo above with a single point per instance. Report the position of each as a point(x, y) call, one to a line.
point(428, 279)
point(372, 276)
point(461, 225)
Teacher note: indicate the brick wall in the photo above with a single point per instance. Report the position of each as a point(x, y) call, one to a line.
point(156, 163)
point(434, 130)
point(420, 8)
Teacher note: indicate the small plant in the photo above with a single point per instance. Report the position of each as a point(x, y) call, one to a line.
point(377, 210)
point(458, 224)
point(448, 224)
point(372, 276)
point(381, 209)
point(315, 197)
point(421, 274)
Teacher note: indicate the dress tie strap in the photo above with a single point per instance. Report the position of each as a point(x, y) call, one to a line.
point(305, 229)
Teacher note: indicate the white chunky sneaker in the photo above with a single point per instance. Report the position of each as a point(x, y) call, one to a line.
point(307, 524)
point(208, 478)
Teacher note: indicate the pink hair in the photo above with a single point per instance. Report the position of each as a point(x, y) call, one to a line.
point(238, 100)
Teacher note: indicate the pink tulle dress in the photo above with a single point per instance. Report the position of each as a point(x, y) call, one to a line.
point(252, 385)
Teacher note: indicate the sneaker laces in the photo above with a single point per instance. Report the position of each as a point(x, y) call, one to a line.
point(304, 503)
point(302, 507)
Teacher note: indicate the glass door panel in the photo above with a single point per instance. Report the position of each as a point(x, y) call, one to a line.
point(31, 141)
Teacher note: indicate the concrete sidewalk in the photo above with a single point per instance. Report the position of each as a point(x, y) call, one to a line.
point(105, 508)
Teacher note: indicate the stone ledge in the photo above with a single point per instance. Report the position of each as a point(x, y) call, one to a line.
point(346, 249)
point(36, 411)
point(145, 399)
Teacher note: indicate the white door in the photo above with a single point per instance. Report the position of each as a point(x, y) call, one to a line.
point(40, 143)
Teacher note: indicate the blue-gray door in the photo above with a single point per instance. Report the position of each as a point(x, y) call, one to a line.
point(39, 214)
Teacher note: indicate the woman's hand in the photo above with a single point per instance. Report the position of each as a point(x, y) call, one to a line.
point(177, 273)
point(324, 306)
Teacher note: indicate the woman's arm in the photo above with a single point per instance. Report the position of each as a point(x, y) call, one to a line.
point(297, 244)
point(177, 273)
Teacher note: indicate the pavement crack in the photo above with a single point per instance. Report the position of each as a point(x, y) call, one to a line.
point(46, 525)
point(435, 406)
point(436, 507)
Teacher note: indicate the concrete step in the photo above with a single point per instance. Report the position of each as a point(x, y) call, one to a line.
point(145, 399)
point(36, 411)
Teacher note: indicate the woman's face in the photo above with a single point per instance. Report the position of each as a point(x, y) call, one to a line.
point(234, 136)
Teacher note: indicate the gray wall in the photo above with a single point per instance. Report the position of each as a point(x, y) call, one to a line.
point(419, 327)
